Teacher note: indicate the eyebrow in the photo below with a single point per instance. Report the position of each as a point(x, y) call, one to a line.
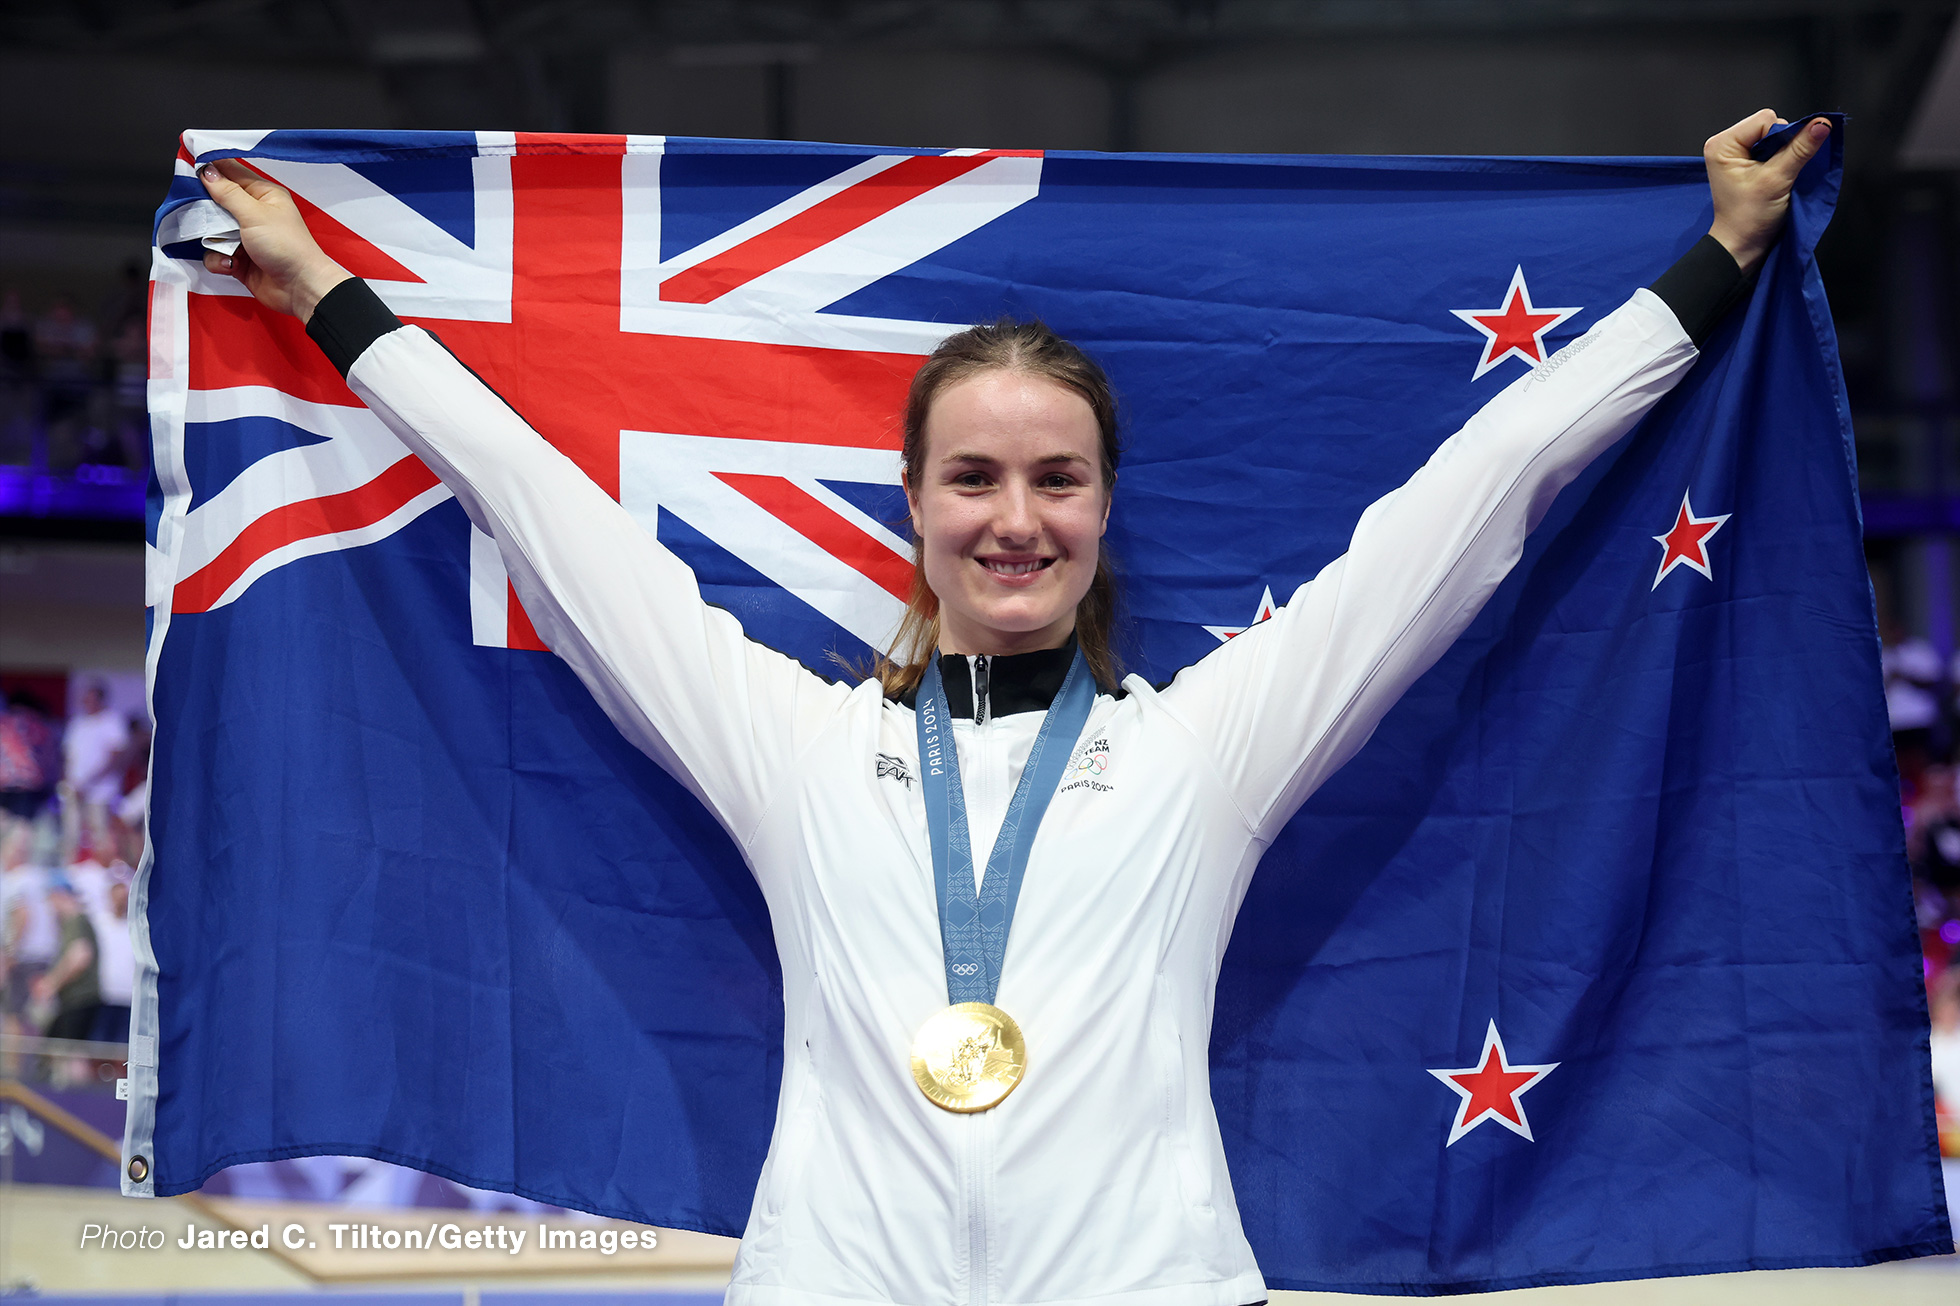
point(973, 456)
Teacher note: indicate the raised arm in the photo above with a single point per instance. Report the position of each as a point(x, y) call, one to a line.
point(719, 712)
point(1283, 705)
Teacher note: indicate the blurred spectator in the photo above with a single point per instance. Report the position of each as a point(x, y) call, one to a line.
point(71, 981)
point(74, 389)
point(29, 755)
point(27, 924)
point(1946, 1041)
point(1930, 911)
point(93, 749)
point(88, 872)
point(1938, 859)
point(136, 775)
point(129, 829)
point(1912, 700)
point(1933, 832)
point(129, 303)
point(116, 960)
point(64, 356)
point(130, 420)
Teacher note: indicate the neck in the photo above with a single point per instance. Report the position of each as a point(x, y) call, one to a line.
point(987, 642)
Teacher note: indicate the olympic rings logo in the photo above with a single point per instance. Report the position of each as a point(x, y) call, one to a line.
point(1090, 764)
point(966, 968)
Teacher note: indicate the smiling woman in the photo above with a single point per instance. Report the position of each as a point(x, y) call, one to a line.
point(929, 1146)
point(1010, 461)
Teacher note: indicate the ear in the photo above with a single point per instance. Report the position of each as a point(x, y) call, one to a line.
point(1109, 501)
point(912, 509)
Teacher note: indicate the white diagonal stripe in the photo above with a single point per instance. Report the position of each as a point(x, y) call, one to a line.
point(778, 214)
point(677, 473)
point(472, 283)
point(894, 240)
point(780, 307)
point(357, 449)
point(337, 540)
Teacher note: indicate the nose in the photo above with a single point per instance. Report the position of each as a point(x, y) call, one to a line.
point(1017, 517)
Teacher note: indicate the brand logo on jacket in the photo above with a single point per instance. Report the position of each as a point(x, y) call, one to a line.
point(895, 768)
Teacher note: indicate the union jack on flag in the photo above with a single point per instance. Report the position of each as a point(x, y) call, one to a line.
point(584, 315)
point(1620, 878)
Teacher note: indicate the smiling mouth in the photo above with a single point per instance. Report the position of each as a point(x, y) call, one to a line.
point(1000, 568)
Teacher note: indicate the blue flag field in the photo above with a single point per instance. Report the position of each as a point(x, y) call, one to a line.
point(1597, 962)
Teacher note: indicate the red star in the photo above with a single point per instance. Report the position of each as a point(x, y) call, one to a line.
point(1685, 543)
point(1492, 1089)
point(1518, 328)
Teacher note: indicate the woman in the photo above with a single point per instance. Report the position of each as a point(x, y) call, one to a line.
point(1049, 1137)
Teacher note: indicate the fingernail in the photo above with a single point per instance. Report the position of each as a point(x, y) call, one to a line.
point(1820, 129)
point(224, 261)
point(209, 172)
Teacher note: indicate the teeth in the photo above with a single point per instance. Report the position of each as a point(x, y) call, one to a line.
point(1015, 568)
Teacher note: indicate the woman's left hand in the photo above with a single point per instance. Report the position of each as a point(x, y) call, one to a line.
point(1751, 198)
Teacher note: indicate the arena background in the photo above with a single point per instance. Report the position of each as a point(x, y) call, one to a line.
point(93, 95)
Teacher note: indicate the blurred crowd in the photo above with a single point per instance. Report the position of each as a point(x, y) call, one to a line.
point(71, 831)
point(73, 381)
point(1921, 699)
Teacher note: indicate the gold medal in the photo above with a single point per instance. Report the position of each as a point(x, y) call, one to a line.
point(968, 1057)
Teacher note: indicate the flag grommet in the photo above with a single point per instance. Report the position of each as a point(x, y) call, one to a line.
point(139, 1169)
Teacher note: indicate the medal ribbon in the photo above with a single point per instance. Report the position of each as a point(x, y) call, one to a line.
point(973, 923)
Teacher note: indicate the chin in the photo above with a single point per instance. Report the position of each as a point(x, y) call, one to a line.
point(1021, 611)
point(1019, 619)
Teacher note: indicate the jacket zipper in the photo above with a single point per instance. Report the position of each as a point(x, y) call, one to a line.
point(976, 1208)
point(976, 1215)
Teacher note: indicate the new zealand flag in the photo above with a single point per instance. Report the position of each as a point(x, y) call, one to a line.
point(1597, 962)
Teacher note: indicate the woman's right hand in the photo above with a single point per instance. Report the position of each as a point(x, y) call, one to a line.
point(277, 259)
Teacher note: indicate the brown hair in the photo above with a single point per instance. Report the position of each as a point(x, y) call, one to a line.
point(1033, 350)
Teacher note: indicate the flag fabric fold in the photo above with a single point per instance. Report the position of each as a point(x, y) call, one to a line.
point(1597, 962)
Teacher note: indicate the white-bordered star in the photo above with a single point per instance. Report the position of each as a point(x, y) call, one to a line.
point(1261, 613)
point(1684, 544)
point(1492, 1090)
point(1515, 328)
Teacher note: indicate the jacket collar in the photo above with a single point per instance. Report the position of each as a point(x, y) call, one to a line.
point(1009, 683)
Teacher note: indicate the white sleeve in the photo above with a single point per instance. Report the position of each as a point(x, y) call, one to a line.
point(722, 714)
point(1283, 705)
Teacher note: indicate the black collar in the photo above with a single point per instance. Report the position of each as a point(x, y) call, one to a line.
point(1012, 682)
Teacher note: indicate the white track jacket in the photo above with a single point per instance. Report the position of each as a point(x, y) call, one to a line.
point(1102, 1179)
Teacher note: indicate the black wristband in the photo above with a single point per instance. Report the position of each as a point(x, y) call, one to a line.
point(1702, 286)
point(348, 319)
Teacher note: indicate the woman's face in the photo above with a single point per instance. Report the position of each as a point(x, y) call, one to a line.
point(1011, 510)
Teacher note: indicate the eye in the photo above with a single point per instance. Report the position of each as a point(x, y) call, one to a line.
point(971, 480)
point(1058, 481)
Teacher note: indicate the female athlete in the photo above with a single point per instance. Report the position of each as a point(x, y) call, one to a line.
point(963, 1119)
